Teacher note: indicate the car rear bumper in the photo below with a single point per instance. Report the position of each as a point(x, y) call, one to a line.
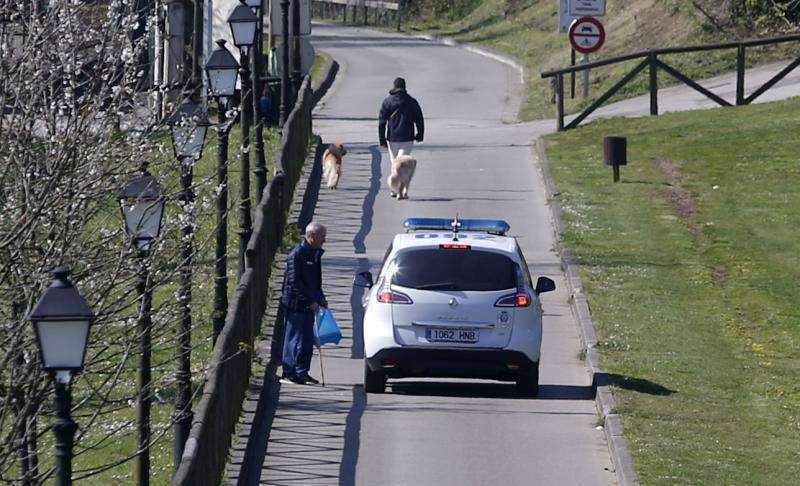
point(407, 361)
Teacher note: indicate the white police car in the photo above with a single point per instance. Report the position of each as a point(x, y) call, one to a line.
point(453, 299)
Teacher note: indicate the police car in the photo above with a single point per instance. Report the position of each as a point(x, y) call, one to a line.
point(454, 298)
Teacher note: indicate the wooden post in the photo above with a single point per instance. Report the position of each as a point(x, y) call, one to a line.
point(572, 74)
point(740, 61)
point(653, 84)
point(399, 13)
point(560, 101)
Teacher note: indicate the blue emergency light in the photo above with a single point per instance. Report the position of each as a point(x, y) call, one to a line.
point(492, 226)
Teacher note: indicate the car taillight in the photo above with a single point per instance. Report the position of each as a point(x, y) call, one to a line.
point(453, 246)
point(393, 297)
point(514, 300)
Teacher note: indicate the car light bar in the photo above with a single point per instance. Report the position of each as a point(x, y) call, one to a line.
point(492, 226)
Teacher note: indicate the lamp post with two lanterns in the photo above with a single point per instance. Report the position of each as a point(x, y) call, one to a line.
point(189, 126)
point(142, 205)
point(222, 71)
point(61, 321)
point(243, 22)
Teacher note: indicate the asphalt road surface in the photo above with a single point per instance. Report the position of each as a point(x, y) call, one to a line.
point(474, 164)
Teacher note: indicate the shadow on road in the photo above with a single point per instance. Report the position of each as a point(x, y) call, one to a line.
point(489, 390)
point(367, 208)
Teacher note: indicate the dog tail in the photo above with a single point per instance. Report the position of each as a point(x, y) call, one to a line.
point(400, 152)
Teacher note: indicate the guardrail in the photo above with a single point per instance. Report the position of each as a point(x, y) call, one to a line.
point(652, 61)
point(206, 451)
point(338, 8)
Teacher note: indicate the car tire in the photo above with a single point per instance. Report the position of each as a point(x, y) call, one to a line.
point(528, 383)
point(374, 381)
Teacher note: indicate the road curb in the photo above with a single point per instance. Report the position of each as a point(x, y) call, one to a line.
point(604, 398)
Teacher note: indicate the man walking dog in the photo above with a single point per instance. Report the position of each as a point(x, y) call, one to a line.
point(400, 114)
point(301, 299)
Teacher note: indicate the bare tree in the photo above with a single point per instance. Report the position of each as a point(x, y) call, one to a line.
point(73, 128)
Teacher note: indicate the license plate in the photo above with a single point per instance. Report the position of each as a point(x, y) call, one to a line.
point(452, 336)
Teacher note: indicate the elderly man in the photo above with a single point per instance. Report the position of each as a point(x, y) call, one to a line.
point(301, 299)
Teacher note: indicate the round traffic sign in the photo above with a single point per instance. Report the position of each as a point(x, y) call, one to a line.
point(586, 35)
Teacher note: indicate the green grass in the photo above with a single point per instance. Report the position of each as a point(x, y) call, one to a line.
point(698, 328)
point(528, 32)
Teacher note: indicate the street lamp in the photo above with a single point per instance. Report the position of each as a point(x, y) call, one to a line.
point(243, 24)
point(222, 71)
point(285, 92)
point(258, 122)
point(189, 126)
point(61, 320)
point(243, 27)
point(297, 77)
point(142, 204)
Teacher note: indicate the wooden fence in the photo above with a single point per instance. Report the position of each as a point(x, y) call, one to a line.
point(383, 13)
point(206, 451)
point(651, 59)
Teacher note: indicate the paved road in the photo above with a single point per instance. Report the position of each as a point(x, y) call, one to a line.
point(426, 432)
point(477, 164)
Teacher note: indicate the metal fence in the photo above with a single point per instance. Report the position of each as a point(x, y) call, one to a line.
point(651, 60)
point(383, 13)
point(206, 451)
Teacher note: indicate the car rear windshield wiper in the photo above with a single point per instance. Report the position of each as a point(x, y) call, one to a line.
point(438, 286)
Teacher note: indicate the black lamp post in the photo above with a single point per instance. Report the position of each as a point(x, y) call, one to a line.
point(142, 205)
point(61, 320)
point(222, 71)
point(258, 122)
point(285, 92)
point(243, 27)
point(297, 77)
point(189, 126)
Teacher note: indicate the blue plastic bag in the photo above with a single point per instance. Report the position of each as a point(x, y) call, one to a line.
point(327, 329)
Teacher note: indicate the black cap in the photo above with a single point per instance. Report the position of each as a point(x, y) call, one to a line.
point(399, 83)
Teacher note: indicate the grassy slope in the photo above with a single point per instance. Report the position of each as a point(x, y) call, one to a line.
point(700, 330)
point(529, 33)
point(695, 311)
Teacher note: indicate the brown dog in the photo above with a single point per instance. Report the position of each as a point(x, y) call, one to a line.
point(403, 169)
point(332, 164)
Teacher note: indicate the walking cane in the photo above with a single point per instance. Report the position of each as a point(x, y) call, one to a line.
point(319, 348)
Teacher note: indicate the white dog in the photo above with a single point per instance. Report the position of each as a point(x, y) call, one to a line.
point(403, 169)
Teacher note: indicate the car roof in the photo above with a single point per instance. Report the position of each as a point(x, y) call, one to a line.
point(434, 238)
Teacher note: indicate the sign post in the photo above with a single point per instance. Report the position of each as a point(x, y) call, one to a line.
point(586, 35)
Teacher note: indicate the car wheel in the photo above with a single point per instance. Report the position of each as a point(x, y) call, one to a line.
point(528, 383)
point(374, 381)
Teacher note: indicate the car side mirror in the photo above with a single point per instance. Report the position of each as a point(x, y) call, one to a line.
point(544, 284)
point(363, 279)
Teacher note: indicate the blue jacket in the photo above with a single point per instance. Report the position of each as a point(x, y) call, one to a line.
point(302, 282)
point(399, 114)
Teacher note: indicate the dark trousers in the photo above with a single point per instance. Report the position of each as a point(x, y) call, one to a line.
point(298, 343)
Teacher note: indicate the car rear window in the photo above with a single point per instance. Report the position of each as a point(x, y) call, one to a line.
point(437, 269)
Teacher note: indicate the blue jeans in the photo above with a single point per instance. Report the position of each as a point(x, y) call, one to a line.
point(298, 343)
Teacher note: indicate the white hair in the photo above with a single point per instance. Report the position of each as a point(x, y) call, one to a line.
point(315, 228)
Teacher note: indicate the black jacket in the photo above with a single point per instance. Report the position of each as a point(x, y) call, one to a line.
point(302, 282)
point(399, 114)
